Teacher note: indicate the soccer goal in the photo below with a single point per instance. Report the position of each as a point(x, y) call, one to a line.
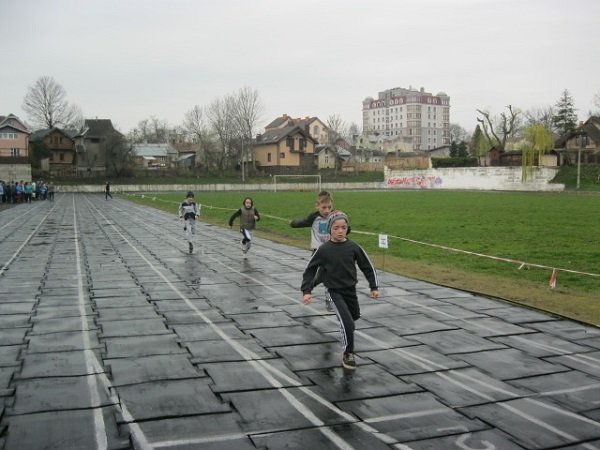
point(301, 182)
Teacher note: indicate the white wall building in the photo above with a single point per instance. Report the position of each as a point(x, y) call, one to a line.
point(415, 114)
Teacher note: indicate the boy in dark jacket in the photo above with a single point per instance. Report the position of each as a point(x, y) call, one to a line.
point(248, 215)
point(335, 263)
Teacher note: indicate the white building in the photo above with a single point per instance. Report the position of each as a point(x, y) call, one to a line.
point(413, 114)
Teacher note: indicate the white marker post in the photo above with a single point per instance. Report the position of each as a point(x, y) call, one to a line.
point(383, 243)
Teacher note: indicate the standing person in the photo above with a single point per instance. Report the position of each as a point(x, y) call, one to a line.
point(107, 191)
point(8, 192)
point(42, 188)
point(188, 212)
point(2, 194)
point(51, 191)
point(27, 192)
point(248, 215)
point(317, 221)
point(18, 192)
point(335, 261)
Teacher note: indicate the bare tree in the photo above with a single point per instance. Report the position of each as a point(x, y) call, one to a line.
point(118, 155)
point(458, 133)
point(247, 112)
point(337, 128)
point(197, 126)
point(541, 115)
point(498, 130)
point(151, 130)
point(46, 106)
point(220, 114)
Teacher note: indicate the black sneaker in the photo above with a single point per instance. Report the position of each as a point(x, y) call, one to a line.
point(191, 247)
point(348, 361)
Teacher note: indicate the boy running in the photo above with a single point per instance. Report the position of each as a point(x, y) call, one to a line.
point(188, 212)
point(248, 215)
point(335, 262)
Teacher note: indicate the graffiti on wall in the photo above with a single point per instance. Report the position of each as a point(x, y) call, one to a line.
point(419, 181)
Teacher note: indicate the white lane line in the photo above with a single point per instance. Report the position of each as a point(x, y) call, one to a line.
point(91, 361)
point(571, 390)
point(94, 366)
point(559, 351)
point(18, 218)
point(16, 253)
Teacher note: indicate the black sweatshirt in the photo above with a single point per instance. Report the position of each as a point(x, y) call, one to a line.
point(335, 262)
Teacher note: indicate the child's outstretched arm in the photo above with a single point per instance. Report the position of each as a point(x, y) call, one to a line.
point(306, 222)
point(238, 213)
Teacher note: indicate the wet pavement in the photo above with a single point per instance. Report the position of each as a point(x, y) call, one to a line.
point(112, 336)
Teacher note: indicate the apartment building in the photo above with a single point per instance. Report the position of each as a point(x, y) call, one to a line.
point(419, 117)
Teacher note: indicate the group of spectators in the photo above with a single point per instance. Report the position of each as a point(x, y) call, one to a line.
point(25, 191)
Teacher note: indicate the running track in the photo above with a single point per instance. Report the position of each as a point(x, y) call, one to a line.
point(113, 337)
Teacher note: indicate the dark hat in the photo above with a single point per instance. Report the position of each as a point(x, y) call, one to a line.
point(189, 194)
point(336, 215)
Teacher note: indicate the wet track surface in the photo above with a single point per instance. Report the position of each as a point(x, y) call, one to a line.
point(112, 336)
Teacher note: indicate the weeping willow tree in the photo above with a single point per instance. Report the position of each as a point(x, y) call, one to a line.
point(539, 140)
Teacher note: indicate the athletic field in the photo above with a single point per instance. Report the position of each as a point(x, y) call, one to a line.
point(499, 243)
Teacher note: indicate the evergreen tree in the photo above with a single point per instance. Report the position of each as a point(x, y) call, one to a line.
point(479, 145)
point(565, 119)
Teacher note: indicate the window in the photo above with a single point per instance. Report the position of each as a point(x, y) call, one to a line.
point(62, 157)
point(302, 144)
point(282, 155)
point(15, 152)
point(268, 157)
point(290, 142)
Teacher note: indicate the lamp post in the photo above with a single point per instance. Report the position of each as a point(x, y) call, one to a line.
point(581, 141)
point(243, 176)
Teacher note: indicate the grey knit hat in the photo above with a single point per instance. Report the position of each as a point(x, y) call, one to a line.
point(336, 215)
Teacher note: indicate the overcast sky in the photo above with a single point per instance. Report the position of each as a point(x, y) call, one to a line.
point(127, 60)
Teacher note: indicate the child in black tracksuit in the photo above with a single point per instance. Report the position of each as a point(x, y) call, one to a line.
point(335, 263)
point(188, 212)
point(248, 215)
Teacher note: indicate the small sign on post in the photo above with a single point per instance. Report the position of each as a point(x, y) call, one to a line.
point(383, 243)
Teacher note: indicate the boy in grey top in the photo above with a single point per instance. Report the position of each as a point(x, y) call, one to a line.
point(248, 215)
point(335, 263)
point(188, 212)
point(317, 221)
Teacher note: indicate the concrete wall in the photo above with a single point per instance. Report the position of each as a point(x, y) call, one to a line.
point(220, 187)
point(472, 178)
point(15, 172)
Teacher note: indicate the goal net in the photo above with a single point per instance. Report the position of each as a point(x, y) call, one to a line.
point(297, 182)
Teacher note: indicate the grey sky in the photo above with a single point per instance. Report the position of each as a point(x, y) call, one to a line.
point(128, 60)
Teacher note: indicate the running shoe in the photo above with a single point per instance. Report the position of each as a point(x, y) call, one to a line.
point(348, 361)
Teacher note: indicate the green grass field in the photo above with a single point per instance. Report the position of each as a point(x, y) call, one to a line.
point(558, 230)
